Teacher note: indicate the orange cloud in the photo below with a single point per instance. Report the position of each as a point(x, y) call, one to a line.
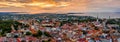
point(36, 3)
point(47, 5)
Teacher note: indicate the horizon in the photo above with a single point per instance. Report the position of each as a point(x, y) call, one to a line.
point(101, 15)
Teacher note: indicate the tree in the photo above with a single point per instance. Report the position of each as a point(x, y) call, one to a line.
point(5, 26)
point(39, 33)
point(28, 33)
point(47, 34)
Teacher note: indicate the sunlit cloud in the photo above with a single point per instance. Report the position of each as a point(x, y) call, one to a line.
point(61, 6)
point(34, 3)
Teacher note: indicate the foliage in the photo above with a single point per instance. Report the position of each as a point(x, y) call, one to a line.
point(28, 33)
point(113, 21)
point(5, 26)
point(47, 34)
point(38, 34)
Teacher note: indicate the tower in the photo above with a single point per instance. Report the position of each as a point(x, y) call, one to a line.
point(97, 20)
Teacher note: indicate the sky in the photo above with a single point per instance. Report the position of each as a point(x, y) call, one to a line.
point(59, 6)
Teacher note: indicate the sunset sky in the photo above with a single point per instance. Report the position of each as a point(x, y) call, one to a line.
point(59, 6)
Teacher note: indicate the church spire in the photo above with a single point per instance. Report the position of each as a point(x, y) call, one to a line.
point(97, 20)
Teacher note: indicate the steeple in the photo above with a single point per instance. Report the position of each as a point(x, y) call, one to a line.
point(97, 20)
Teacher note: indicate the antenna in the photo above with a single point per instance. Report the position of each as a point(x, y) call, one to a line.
point(109, 17)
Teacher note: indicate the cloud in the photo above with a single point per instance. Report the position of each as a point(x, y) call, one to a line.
point(35, 3)
point(60, 5)
point(103, 5)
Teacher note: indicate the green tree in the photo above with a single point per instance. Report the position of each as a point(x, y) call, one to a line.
point(39, 33)
point(47, 34)
point(28, 33)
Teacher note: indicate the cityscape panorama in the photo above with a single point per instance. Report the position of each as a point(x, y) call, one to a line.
point(59, 20)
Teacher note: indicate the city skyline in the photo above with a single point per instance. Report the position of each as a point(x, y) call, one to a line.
point(59, 21)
